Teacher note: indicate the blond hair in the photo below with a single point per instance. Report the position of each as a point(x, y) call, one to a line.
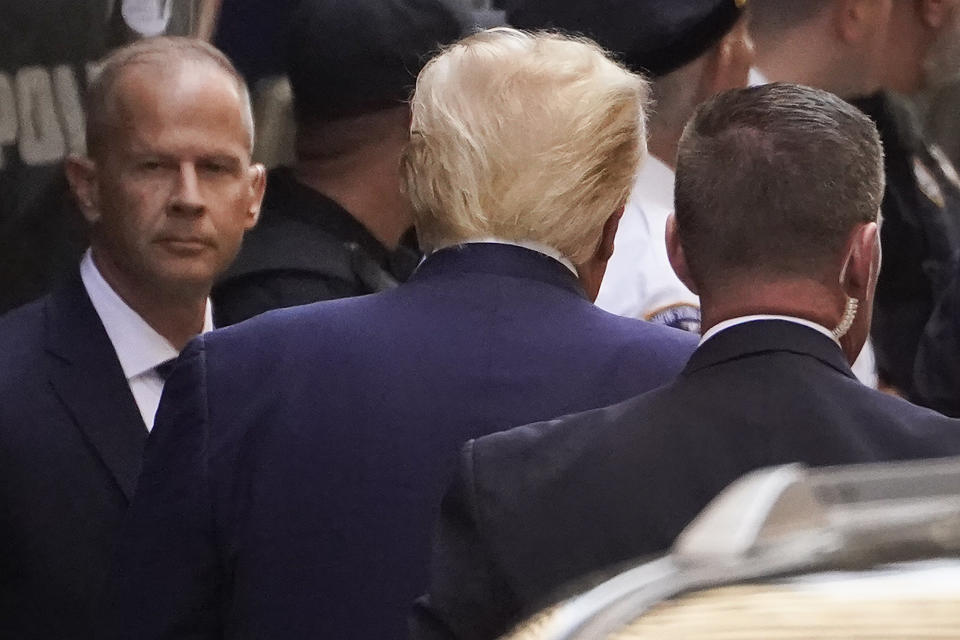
point(524, 137)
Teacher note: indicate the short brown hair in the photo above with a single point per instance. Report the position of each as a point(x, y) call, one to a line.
point(163, 51)
point(771, 180)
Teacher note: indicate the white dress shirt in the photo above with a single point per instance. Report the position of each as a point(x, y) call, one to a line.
point(139, 347)
point(532, 245)
point(756, 78)
point(732, 322)
point(639, 282)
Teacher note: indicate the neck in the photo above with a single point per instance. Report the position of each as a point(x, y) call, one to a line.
point(357, 164)
point(798, 298)
point(177, 316)
point(663, 146)
point(802, 56)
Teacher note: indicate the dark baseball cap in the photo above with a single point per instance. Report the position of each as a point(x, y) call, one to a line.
point(348, 57)
point(650, 36)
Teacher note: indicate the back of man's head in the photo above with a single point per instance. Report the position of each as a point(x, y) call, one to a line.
point(771, 181)
point(690, 49)
point(350, 57)
point(837, 45)
point(523, 137)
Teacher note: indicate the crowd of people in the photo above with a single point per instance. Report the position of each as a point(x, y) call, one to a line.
point(526, 300)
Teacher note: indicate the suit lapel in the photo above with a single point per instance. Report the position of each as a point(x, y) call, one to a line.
point(86, 375)
point(766, 336)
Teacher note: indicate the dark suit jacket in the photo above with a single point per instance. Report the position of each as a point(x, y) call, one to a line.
point(71, 438)
point(295, 472)
point(539, 506)
point(937, 368)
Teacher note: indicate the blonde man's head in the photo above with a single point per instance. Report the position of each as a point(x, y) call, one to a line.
point(523, 137)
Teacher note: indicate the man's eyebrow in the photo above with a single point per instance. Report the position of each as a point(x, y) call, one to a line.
point(220, 158)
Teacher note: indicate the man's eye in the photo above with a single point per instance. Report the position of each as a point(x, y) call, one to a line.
point(150, 165)
point(214, 167)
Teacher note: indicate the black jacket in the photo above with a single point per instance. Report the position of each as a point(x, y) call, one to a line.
point(920, 236)
point(538, 506)
point(937, 369)
point(71, 438)
point(306, 248)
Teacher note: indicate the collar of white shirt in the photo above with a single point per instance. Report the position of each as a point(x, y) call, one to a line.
point(139, 347)
point(654, 184)
point(532, 245)
point(732, 322)
point(756, 78)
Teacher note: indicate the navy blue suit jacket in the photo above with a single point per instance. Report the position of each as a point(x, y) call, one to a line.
point(71, 439)
point(294, 475)
point(539, 506)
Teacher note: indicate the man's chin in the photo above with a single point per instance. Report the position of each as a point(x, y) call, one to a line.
point(185, 277)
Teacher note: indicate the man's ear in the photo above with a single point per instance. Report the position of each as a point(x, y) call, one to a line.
point(258, 185)
point(858, 274)
point(677, 256)
point(729, 65)
point(82, 176)
point(855, 20)
point(608, 235)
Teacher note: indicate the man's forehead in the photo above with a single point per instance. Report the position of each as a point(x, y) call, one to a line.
point(149, 94)
point(155, 79)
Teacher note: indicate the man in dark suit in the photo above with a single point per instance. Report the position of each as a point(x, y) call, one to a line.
point(291, 485)
point(776, 229)
point(168, 190)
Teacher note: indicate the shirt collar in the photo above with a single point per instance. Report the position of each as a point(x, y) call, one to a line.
point(654, 184)
point(732, 322)
point(756, 78)
point(532, 245)
point(139, 347)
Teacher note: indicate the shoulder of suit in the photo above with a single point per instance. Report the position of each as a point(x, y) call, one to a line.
point(21, 346)
point(17, 324)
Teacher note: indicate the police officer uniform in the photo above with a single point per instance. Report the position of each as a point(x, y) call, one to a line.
point(639, 281)
point(920, 235)
point(307, 247)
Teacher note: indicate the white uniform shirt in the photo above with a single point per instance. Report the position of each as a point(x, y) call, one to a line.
point(138, 346)
point(639, 282)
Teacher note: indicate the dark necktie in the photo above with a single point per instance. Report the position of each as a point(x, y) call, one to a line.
point(165, 368)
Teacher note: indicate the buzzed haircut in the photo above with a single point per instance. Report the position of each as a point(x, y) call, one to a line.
point(164, 51)
point(771, 180)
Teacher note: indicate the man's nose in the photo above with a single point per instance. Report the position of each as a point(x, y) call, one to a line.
point(186, 198)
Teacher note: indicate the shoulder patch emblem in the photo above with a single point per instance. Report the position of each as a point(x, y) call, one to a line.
point(928, 183)
point(679, 316)
point(945, 165)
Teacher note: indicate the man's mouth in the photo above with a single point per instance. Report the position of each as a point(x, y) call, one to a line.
point(184, 244)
